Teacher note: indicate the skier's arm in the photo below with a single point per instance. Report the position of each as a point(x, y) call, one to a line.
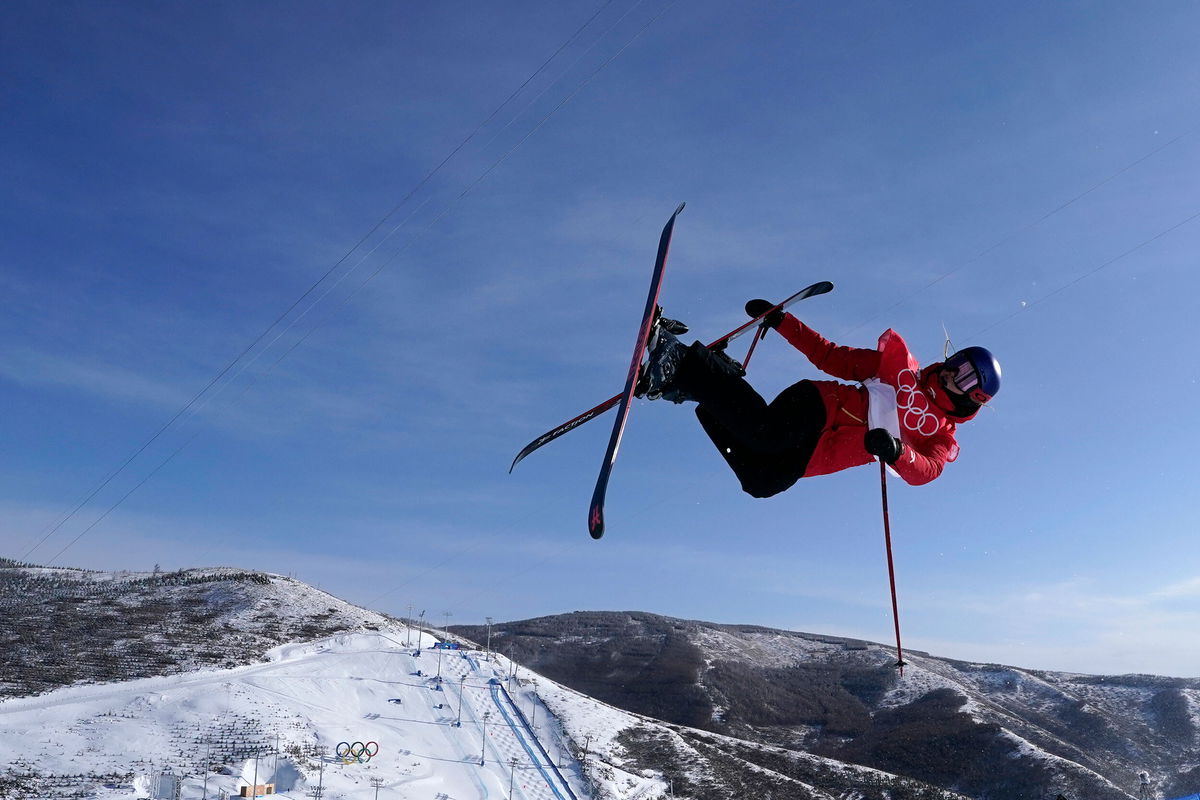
point(847, 363)
point(920, 464)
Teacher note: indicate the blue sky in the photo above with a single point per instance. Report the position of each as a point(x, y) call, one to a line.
point(177, 176)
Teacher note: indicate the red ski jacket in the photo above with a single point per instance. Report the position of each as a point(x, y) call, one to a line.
point(924, 410)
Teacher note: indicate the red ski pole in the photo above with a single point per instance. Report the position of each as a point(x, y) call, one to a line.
point(887, 539)
point(759, 335)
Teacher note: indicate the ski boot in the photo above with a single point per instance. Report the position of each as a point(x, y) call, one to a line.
point(665, 353)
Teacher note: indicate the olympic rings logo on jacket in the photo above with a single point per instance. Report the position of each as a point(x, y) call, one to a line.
point(912, 401)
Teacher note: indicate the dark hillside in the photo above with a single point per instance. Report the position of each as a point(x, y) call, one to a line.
point(65, 626)
point(983, 730)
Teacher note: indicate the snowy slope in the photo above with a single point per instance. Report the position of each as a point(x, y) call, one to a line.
point(115, 682)
point(296, 709)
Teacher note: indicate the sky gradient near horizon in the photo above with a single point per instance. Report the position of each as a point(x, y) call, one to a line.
point(474, 195)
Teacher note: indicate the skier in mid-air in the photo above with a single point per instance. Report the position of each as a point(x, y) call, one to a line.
point(901, 413)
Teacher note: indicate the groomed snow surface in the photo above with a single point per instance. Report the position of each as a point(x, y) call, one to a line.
point(295, 710)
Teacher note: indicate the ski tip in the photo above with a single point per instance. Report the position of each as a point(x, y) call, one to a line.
point(596, 522)
point(681, 205)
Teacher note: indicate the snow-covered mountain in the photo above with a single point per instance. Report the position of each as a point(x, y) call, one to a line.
point(466, 735)
point(986, 730)
point(133, 685)
point(206, 681)
point(62, 626)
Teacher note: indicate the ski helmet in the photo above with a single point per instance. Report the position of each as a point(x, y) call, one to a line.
point(976, 373)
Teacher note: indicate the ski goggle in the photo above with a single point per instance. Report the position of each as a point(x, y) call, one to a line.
point(966, 378)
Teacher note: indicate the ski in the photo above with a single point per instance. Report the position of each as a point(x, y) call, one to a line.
point(596, 511)
point(820, 287)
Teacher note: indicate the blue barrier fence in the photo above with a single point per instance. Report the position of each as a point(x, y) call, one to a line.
point(533, 737)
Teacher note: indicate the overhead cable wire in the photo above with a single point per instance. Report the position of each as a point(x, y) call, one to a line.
point(46, 534)
point(1026, 227)
point(449, 206)
point(362, 240)
point(1080, 278)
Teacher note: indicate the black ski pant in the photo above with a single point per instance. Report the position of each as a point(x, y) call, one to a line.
point(767, 445)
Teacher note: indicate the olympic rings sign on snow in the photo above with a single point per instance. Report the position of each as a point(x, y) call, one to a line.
point(360, 752)
point(915, 405)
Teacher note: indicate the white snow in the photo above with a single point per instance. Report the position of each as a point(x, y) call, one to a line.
point(296, 709)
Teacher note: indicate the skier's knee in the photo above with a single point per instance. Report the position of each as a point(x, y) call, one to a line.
point(760, 491)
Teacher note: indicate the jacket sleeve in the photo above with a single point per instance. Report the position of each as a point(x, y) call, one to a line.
point(924, 460)
point(847, 363)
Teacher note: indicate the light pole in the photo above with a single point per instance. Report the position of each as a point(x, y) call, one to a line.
point(446, 615)
point(461, 681)
point(512, 776)
point(377, 782)
point(483, 737)
point(207, 761)
point(317, 791)
point(489, 638)
point(533, 716)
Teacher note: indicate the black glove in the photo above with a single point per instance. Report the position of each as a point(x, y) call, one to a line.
point(757, 308)
point(879, 442)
